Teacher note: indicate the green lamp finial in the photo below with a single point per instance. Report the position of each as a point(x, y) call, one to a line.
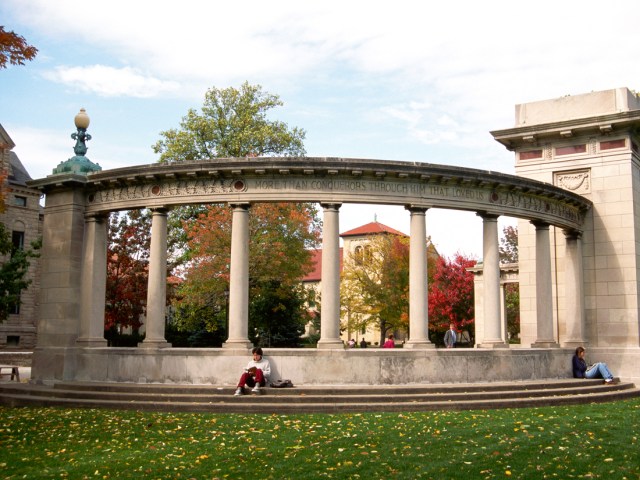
point(79, 163)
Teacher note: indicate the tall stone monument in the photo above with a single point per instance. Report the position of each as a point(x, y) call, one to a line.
point(587, 144)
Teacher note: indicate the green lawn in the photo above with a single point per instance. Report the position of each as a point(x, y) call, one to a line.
point(591, 441)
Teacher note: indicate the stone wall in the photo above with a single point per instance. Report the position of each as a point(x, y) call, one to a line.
point(372, 366)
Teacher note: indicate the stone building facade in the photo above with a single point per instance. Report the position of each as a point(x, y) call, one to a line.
point(22, 217)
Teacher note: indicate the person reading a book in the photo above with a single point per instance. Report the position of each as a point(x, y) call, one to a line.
point(255, 373)
point(582, 370)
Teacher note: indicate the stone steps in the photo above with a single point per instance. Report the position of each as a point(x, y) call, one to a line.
point(316, 399)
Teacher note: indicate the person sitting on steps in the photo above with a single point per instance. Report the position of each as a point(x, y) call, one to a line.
point(255, 373)
point(581, 370)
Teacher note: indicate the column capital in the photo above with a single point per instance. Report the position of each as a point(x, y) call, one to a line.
point(488, 216)
point(161, 209)
point(95, 217)
point(417, 209)
point(331, 206)
point(571, 234)
point(240, 205)
point(540, 225)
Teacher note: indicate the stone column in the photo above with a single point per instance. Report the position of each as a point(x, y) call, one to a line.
point(544, 291)
point(491, 283)
point(94, 282)
point(330, 290)
point(503, 312)
point(239, 280)
point(574, 290)
point(157, 286)
point(418, 295)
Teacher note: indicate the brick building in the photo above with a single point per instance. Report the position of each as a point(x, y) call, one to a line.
point(22, 217)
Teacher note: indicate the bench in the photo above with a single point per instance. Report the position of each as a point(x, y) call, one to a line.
point(14, 372)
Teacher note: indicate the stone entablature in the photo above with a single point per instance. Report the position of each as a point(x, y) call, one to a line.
point(324, 180)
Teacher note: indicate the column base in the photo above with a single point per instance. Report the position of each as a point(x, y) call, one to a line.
point(154, 344)
point(91, 342)
point(330, 344)
point(545, 344)
point(418, 345)
point(495, 345)
point(238, 345)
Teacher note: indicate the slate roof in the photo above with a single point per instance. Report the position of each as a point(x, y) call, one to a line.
point(18, 175)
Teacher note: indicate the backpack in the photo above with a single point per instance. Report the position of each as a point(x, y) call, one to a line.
point(281, 384)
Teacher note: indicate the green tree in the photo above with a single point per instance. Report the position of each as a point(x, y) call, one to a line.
point(13, 271)
point(512, 302)
point(234, 123)
point(14, 49)
point(509, 254)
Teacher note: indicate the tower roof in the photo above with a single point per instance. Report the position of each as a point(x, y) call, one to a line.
point(373, 228)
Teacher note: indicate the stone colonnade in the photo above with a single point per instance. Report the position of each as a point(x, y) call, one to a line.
point(94, 283)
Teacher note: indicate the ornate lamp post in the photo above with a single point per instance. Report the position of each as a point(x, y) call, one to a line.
point(79, 164)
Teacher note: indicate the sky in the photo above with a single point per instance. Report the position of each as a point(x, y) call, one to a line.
point(404, 80)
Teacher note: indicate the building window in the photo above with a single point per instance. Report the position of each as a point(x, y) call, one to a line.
point(20, 201)
point(362, 254)
point(530, 154)
point(13, 340)
point(14, 308)
point(17, 238)
point(571, 149)
point(610, 144)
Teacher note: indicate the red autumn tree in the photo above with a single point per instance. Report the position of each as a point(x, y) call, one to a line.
point(451, 294)
point(128, 248)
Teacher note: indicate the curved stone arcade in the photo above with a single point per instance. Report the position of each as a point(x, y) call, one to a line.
point(71, 343)
point(575, 195)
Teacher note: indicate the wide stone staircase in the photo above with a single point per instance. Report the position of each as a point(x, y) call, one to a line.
point(315, 399)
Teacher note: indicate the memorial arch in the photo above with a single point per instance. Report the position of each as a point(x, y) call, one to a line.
point(70, 328)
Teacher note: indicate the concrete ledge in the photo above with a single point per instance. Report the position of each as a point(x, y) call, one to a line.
point(319, 366)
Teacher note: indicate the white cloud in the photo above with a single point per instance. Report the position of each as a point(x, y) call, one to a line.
point(41, 150)
point(409, 76)
point(108, 81)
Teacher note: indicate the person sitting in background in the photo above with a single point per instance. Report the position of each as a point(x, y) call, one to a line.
point(255, 373)
point(581, 370)
point(389, 343)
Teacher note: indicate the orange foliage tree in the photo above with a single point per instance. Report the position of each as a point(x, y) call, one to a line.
point(281, 236)
point(14, 49)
